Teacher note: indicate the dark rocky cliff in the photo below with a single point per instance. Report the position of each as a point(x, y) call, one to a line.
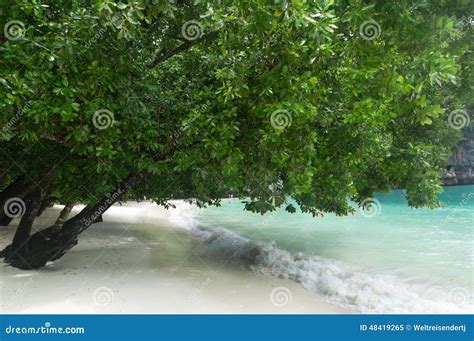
point(460, 170)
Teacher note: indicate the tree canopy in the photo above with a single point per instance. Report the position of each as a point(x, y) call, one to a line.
point(319, 101)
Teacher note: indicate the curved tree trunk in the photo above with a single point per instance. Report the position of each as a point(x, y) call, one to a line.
point(19, 188)
point(20, 244)
point(52, 243)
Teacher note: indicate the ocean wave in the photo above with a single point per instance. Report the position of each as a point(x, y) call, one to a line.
point(338, 284)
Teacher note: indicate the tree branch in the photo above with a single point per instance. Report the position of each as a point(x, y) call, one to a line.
point(183, 47)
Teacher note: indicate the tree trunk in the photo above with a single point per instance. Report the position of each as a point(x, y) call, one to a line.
point(92, 214)
point(19, 188)
point(47, 202)
point(4, 219)
point(12, 190)
point(20, 245)
point(51, 244)
point(33, 204)
point(64, 214)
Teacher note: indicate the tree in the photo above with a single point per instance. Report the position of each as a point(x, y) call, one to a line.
point(318, 101)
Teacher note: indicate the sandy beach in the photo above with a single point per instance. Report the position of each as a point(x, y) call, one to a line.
point(137, 261)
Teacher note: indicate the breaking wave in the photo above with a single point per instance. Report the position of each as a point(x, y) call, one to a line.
point(338, 284)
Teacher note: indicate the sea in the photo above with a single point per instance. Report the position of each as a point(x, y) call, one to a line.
point(385, 258)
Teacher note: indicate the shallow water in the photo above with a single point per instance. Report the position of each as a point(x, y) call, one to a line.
point(389, 258)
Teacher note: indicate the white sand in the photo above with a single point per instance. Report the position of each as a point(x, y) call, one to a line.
point(136, 261)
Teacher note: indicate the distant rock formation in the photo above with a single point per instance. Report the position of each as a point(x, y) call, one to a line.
point(461, 163)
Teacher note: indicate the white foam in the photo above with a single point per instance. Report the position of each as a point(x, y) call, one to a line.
point(366, 293)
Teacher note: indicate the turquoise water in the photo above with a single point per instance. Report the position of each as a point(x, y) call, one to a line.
point(414, 260)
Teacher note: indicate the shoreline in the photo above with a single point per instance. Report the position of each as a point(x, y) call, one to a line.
point(138, 262)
